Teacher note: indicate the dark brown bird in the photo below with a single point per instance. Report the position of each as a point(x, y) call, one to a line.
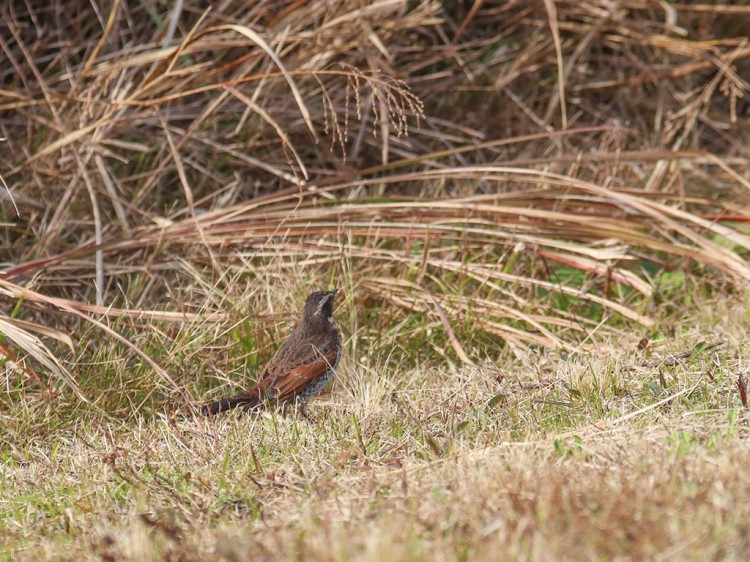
point(301, 367)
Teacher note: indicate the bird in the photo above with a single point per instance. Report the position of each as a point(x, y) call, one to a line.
point(301, 367)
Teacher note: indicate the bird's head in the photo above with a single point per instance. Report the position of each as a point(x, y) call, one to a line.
point(319, 306)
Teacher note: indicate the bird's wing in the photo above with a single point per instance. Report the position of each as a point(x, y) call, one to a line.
point(288, 382)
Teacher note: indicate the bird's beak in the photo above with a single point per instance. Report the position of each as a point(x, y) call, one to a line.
point(334, 292)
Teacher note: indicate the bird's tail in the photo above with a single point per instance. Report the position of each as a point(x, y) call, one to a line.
point(249, 399)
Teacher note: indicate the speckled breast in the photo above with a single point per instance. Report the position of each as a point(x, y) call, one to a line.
point(316, 386)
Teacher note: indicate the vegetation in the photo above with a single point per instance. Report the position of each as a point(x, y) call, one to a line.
point(537, 216)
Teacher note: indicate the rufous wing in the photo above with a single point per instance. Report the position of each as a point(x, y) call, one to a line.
point(286, 385)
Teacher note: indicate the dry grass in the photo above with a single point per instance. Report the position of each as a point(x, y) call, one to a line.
point(320, 134)
point(511, 196)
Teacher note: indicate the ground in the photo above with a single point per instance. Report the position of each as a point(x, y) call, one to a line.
point(620, 454)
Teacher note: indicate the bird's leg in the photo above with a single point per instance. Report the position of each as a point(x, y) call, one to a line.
point(302, 408)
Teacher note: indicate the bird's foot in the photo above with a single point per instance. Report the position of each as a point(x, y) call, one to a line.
point(302, 409)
